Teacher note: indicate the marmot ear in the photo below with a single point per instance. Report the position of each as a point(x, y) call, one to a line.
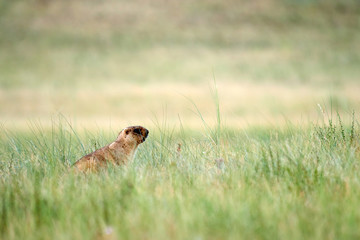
point(127, 131)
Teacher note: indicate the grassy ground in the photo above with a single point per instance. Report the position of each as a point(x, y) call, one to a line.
point(273, 184)
point(282, 69)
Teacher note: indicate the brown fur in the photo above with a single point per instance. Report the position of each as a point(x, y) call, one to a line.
point(118, 152)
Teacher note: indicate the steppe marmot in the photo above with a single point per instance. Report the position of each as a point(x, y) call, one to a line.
point(118, 152)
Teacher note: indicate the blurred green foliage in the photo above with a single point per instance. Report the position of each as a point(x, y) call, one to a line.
point(63, 43)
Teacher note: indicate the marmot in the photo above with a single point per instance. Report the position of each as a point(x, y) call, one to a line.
point(119, 152)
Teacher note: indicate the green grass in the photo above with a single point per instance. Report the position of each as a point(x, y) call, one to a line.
point(289, 183)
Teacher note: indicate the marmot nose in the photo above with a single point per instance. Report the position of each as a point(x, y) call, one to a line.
point(146, 133)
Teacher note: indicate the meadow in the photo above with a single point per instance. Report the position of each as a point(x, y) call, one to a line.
point(252, 108)
point(257, 183)
point(273, 61)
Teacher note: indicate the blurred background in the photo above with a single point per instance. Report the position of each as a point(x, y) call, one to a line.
point(118, 62)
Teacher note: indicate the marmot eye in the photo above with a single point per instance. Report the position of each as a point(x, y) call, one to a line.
point(137, 130)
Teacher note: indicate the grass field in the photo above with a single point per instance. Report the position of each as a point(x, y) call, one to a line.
point(92, 61)
point(273, 184)
point(271, 87)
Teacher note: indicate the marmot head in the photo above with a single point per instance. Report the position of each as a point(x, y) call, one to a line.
point(133, 135)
